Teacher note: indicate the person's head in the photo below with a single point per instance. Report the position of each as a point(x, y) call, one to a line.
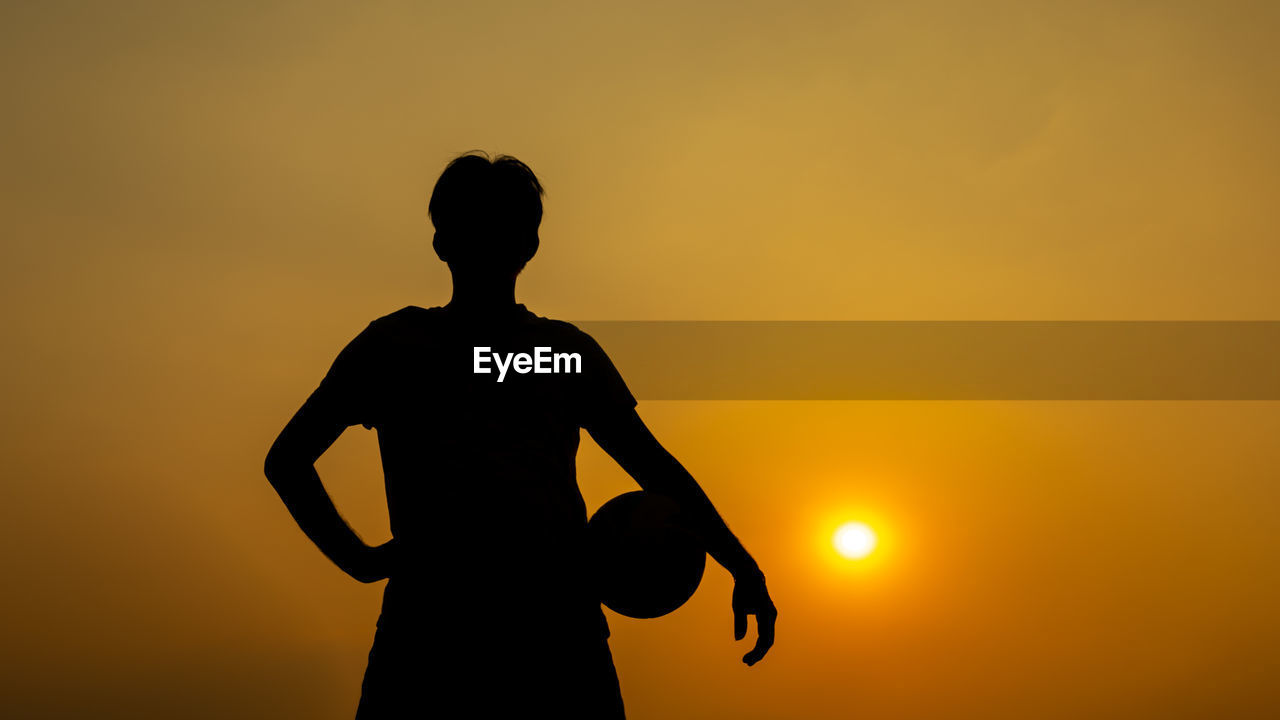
point(486, 213)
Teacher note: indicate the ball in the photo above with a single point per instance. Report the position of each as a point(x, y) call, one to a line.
point(645, 561)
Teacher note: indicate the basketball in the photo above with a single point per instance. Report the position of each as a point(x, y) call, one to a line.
point(645, 562)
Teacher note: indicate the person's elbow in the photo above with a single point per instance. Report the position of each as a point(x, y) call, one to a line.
point(277, 464)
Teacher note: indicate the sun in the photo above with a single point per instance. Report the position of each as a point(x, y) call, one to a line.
point(854, 540)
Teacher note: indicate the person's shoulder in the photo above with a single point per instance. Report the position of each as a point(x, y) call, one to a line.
point(562, 329)
point(603, 389)
point(390, 331)
point(406, 317)
point(409, 313)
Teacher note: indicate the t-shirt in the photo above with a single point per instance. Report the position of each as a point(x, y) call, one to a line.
point(479, 467)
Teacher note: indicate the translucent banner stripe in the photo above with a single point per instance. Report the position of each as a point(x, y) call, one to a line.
point(945, 360)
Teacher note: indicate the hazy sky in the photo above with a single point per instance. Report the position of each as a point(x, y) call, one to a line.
point(203, 202)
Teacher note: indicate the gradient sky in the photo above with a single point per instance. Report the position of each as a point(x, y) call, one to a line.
point(202, 204)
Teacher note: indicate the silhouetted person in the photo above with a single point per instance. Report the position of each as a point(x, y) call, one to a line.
point(489, 601)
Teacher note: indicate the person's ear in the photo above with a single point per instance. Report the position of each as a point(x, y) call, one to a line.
point(529, 250)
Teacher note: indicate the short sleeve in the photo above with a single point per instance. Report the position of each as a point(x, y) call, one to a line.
point(348, 393)
point(603, 392)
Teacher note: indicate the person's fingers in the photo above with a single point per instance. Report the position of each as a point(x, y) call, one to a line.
point(765, 621)
point(739, 622)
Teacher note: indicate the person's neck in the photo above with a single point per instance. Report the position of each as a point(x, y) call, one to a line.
point(483, 295)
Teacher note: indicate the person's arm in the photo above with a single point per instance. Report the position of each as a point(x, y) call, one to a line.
point(628, 441)
point(290, 468)
point(343, 399)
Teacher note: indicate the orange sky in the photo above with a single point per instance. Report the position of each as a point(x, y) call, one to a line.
point(202, 205)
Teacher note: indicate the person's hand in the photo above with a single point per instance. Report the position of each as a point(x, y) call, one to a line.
point(375, 563)
point(750, 597)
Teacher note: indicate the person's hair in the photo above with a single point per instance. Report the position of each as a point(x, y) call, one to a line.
point(486, 212)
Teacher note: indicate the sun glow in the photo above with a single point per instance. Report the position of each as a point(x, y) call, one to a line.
point(854, 540)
